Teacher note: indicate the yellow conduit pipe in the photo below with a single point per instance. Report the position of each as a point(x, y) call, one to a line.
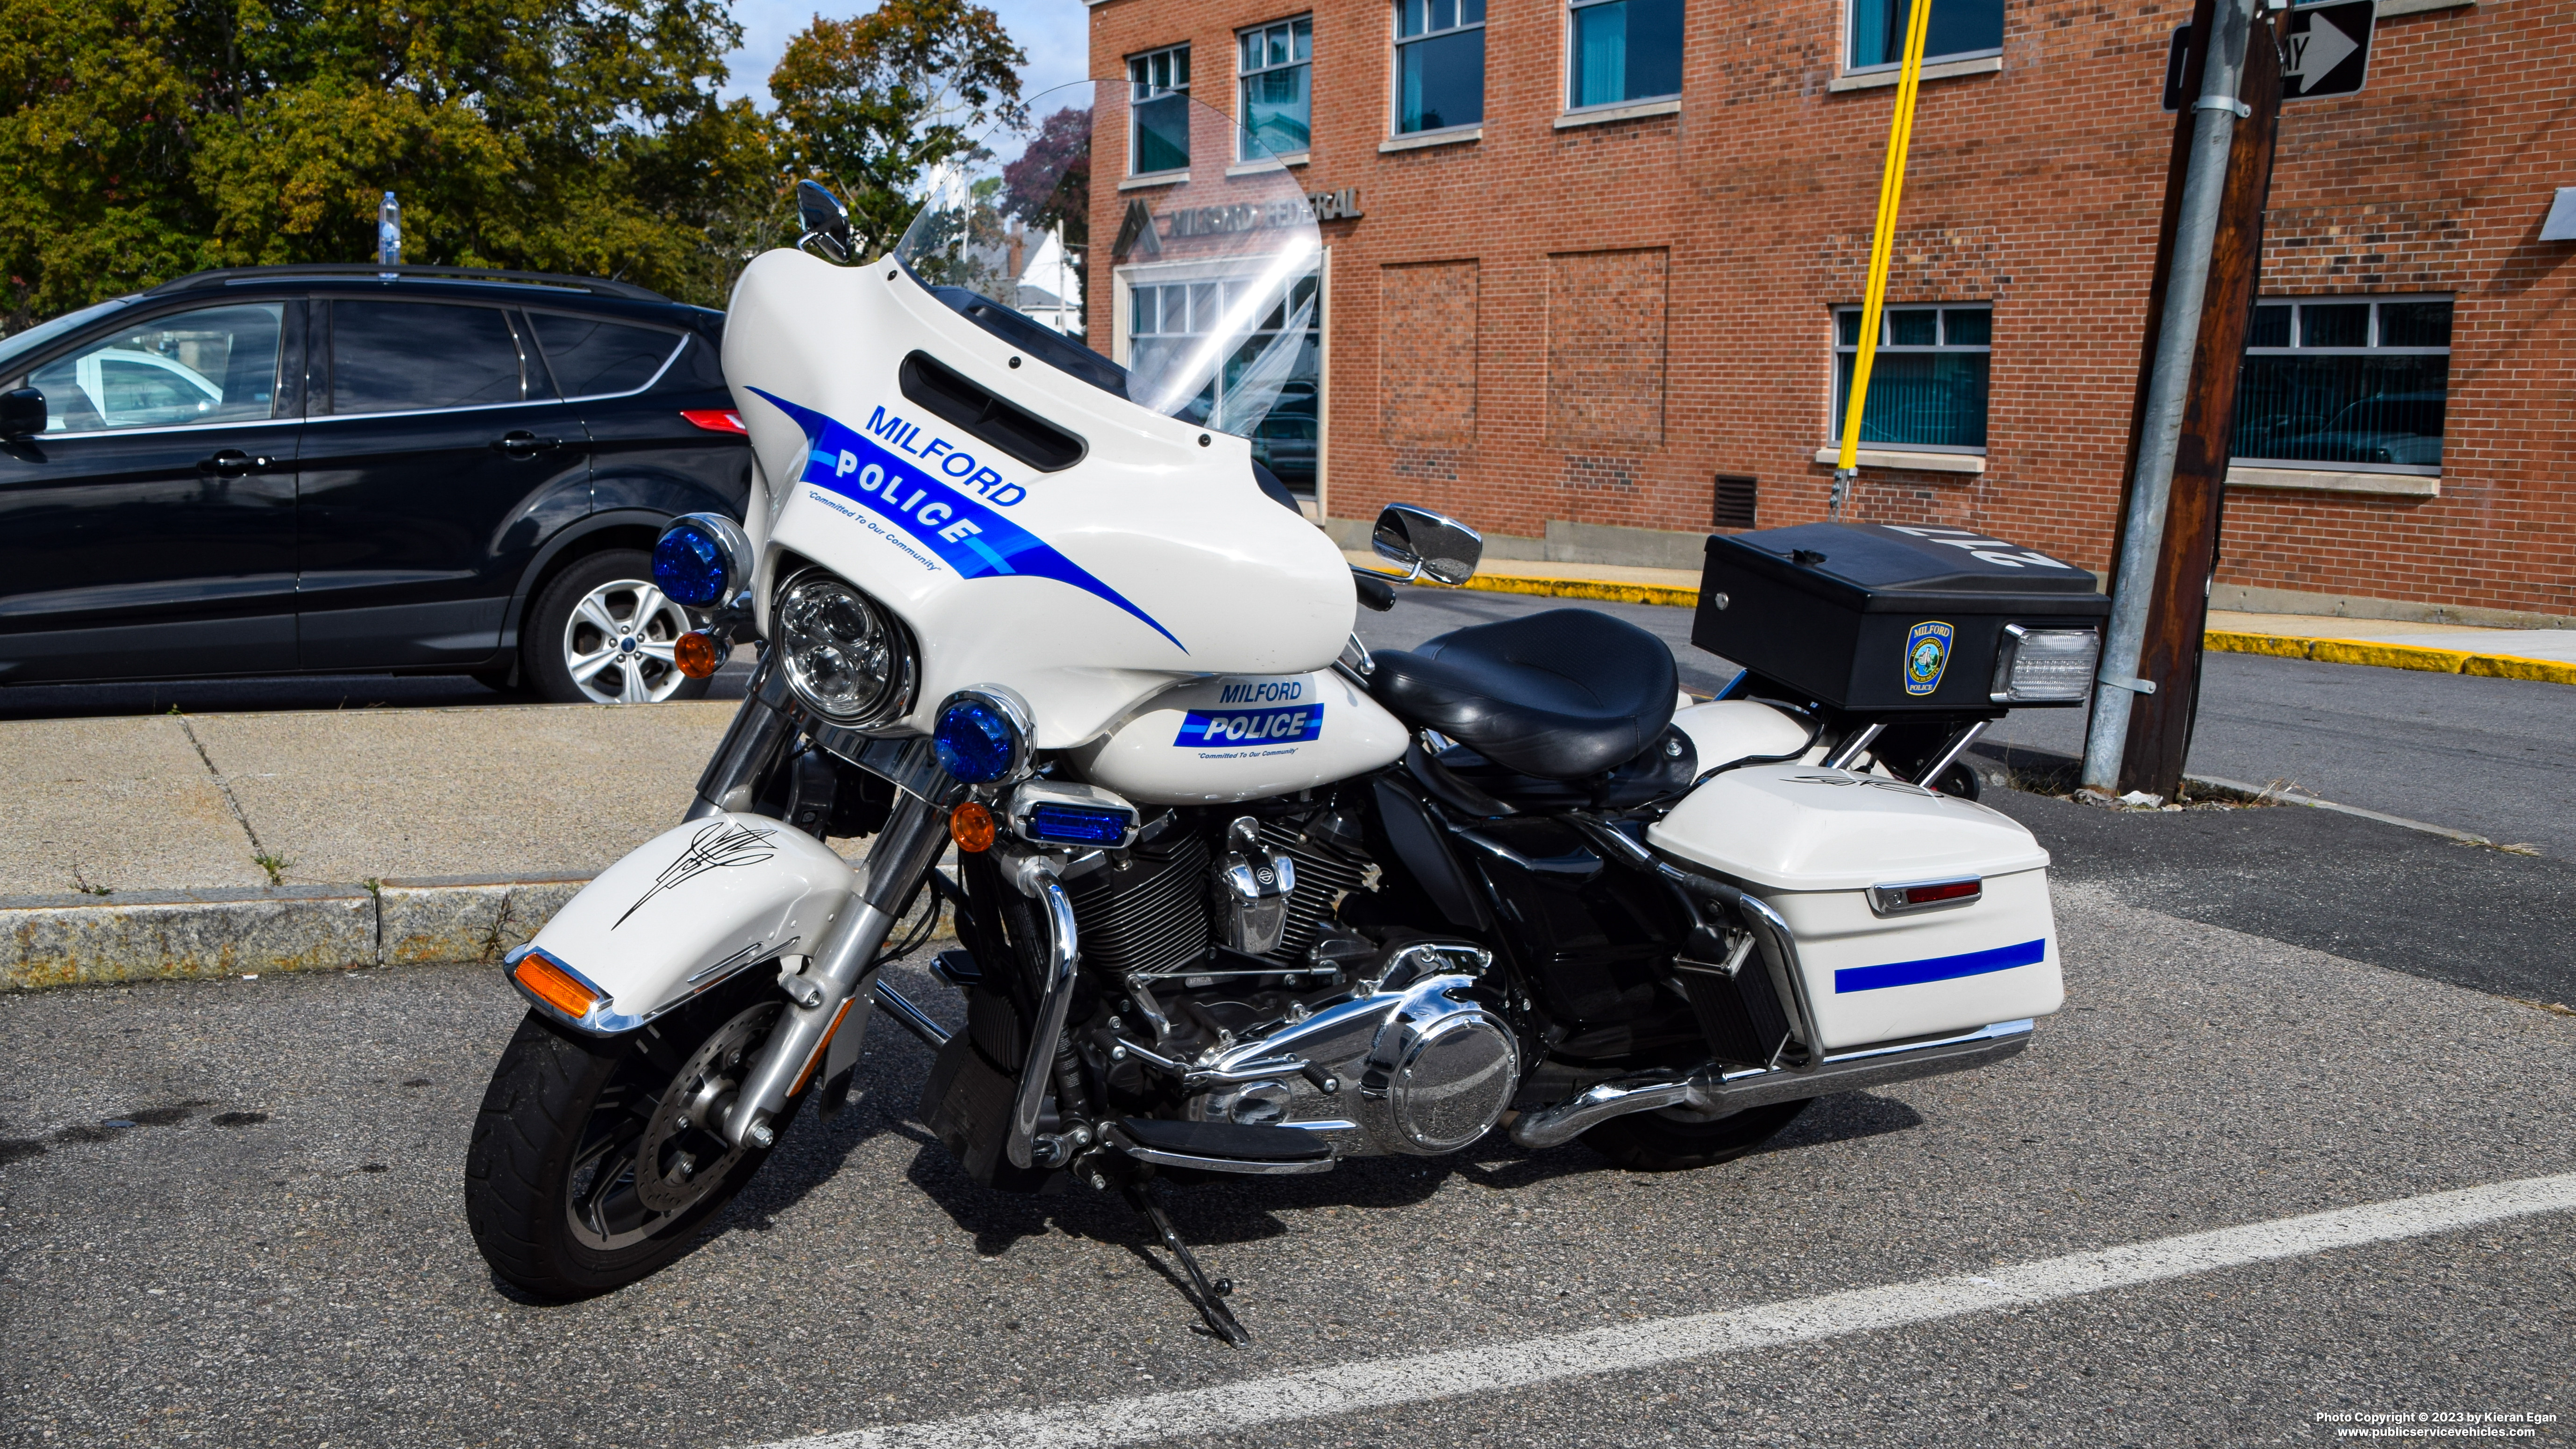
point(1882, 245)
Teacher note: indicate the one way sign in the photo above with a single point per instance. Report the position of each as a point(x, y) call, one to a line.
point(2325, 49)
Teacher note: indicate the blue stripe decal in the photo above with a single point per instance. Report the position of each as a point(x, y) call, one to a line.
point(1939, 968)
point(963, 532)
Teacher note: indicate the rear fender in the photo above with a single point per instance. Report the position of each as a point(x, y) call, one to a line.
point(682, 914)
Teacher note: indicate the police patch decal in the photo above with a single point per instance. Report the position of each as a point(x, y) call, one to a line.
point(1927, 653)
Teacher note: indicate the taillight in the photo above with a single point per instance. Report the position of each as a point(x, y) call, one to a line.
point(2044, 666)
point(716, 420)
point(1892, 900)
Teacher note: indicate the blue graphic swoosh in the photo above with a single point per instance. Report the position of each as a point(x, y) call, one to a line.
point(964, 532)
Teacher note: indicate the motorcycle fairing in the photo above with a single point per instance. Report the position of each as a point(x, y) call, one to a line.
point(1198, 572)
point(1233, 738)
point(965, 533)
point(691, 908)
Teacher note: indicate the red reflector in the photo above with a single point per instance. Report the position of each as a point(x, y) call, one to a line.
point(1948, 890)
point(716, 420)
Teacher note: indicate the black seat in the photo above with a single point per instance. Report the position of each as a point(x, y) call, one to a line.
point(1563, 694)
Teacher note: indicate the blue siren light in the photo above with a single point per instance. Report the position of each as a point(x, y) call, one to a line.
point(1078, 825)
point(690, 565)
point(977, 743)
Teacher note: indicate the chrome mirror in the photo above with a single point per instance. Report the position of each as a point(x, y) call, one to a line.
point(1428, 543)
point(825, 223)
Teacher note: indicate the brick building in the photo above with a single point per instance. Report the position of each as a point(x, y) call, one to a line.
point(1593, 279)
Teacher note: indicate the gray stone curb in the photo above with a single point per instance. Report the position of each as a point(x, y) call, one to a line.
point(69, 940)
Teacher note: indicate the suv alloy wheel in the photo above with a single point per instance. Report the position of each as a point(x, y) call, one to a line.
point(601, 633)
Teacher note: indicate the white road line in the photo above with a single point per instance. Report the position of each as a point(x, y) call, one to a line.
point(1387, 1383)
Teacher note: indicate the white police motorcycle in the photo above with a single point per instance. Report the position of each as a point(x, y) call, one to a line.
point(1231, 895)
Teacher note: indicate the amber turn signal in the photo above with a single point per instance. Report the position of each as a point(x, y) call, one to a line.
point(696, 654)
point(553, 987)
point(971, 826)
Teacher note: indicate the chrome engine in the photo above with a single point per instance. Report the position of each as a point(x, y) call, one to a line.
point(1409, 1062)
point(1247, 996)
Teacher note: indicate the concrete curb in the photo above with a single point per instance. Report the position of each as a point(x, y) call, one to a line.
point(2393, 656)
point(69, 940)
point(77, 940)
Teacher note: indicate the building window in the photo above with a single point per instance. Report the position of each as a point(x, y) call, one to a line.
point(2348, 381)
point(1439, 64)
point(1158, 98)
point(1278, 102)
point(1624, 50)
point(1927, 388)
point(1959, 30)
point(1275, 372)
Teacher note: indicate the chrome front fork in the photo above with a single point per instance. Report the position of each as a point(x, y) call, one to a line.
point(838, 981)
point(760, 731)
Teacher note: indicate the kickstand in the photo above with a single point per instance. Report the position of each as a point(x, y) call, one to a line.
point(1208, 1296)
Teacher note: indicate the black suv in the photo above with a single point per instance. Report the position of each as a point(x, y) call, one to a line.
point(279, 470)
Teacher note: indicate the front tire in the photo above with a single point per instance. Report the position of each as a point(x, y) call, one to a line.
point(585, 1173)
point(1653, 1142)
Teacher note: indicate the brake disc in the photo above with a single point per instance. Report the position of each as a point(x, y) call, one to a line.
point(683, 1153)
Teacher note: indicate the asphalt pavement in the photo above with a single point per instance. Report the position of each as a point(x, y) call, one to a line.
point(230, 1211)
point(275, 1252)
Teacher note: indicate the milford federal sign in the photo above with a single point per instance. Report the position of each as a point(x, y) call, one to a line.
point(1142, 233)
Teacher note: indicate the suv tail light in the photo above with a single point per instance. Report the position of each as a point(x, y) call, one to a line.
point(716, 420)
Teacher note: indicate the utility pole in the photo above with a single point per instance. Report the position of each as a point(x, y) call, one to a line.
point(2223, 28)
point(2160, 724)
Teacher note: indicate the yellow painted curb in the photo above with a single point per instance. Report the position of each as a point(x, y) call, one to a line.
point(1605, 590)
point(2275, 645)
point(2391, 656)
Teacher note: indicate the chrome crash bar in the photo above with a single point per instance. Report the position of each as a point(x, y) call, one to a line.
point(1714, 1093)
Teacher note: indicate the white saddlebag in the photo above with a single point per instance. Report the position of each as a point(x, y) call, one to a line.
point(1812, 842)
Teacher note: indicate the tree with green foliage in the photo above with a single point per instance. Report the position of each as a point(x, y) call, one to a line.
point(870, 104)
point(142, 139)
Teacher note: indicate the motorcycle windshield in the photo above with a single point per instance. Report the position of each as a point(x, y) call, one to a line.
point(1128, 219)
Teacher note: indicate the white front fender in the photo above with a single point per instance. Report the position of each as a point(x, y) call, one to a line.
point(682, 913)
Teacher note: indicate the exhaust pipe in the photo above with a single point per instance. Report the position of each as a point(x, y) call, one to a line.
point(1715, 1094)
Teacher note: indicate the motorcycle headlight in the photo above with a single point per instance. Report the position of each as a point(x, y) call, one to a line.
point(844, 657)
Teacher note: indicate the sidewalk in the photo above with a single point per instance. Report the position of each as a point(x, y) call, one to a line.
point(234, 843)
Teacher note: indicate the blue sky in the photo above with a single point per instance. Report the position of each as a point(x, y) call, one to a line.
point(1055, 33)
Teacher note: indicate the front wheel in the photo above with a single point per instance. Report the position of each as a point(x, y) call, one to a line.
point(592, 1162)
point(1654, 1142)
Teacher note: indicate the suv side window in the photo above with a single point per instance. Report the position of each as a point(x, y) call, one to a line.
point(400, 357)
point(213, 365)
point(592, 358)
